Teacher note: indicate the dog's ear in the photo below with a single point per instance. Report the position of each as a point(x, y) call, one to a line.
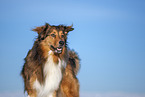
point(41, 28)
point(42, 35)
point(68, 28)
point(38, 29)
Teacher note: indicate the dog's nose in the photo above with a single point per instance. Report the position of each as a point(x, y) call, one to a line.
point(61, 43)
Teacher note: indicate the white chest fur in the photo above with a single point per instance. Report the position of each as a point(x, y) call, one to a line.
point(53, 75)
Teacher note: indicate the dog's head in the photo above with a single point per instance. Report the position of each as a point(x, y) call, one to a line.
point(53, 37)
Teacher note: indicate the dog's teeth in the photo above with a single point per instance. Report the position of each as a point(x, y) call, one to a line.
point(56, 51)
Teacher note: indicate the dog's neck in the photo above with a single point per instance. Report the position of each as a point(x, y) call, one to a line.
point(52, 72)
point(56, 58)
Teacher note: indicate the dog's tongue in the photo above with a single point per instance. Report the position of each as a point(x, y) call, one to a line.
point(59, 48)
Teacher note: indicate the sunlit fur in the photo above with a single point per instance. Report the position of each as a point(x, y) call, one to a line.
point(50, 68)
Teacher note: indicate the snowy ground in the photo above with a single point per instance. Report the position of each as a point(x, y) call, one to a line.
point(114, 94)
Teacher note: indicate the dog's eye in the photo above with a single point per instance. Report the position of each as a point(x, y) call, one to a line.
point(62, 36)
point(47, 35)
point(53, 35)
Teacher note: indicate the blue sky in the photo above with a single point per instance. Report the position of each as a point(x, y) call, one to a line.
point(109, 36)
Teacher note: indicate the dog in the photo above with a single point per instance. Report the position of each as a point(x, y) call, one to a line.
point(50, 67)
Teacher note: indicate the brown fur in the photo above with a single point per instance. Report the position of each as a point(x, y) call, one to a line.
point(37, 57)
point(70, 84)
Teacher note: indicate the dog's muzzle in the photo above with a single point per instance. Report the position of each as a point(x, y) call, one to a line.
point(57, 50)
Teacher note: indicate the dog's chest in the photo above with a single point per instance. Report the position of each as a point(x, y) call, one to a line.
point(53, 75)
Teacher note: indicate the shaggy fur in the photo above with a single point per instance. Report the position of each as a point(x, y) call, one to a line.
point(50, 68)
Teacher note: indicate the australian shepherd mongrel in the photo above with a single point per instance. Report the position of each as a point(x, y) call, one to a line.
point(50, 68)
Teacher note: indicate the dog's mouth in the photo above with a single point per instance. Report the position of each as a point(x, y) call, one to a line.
point(57, 50)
